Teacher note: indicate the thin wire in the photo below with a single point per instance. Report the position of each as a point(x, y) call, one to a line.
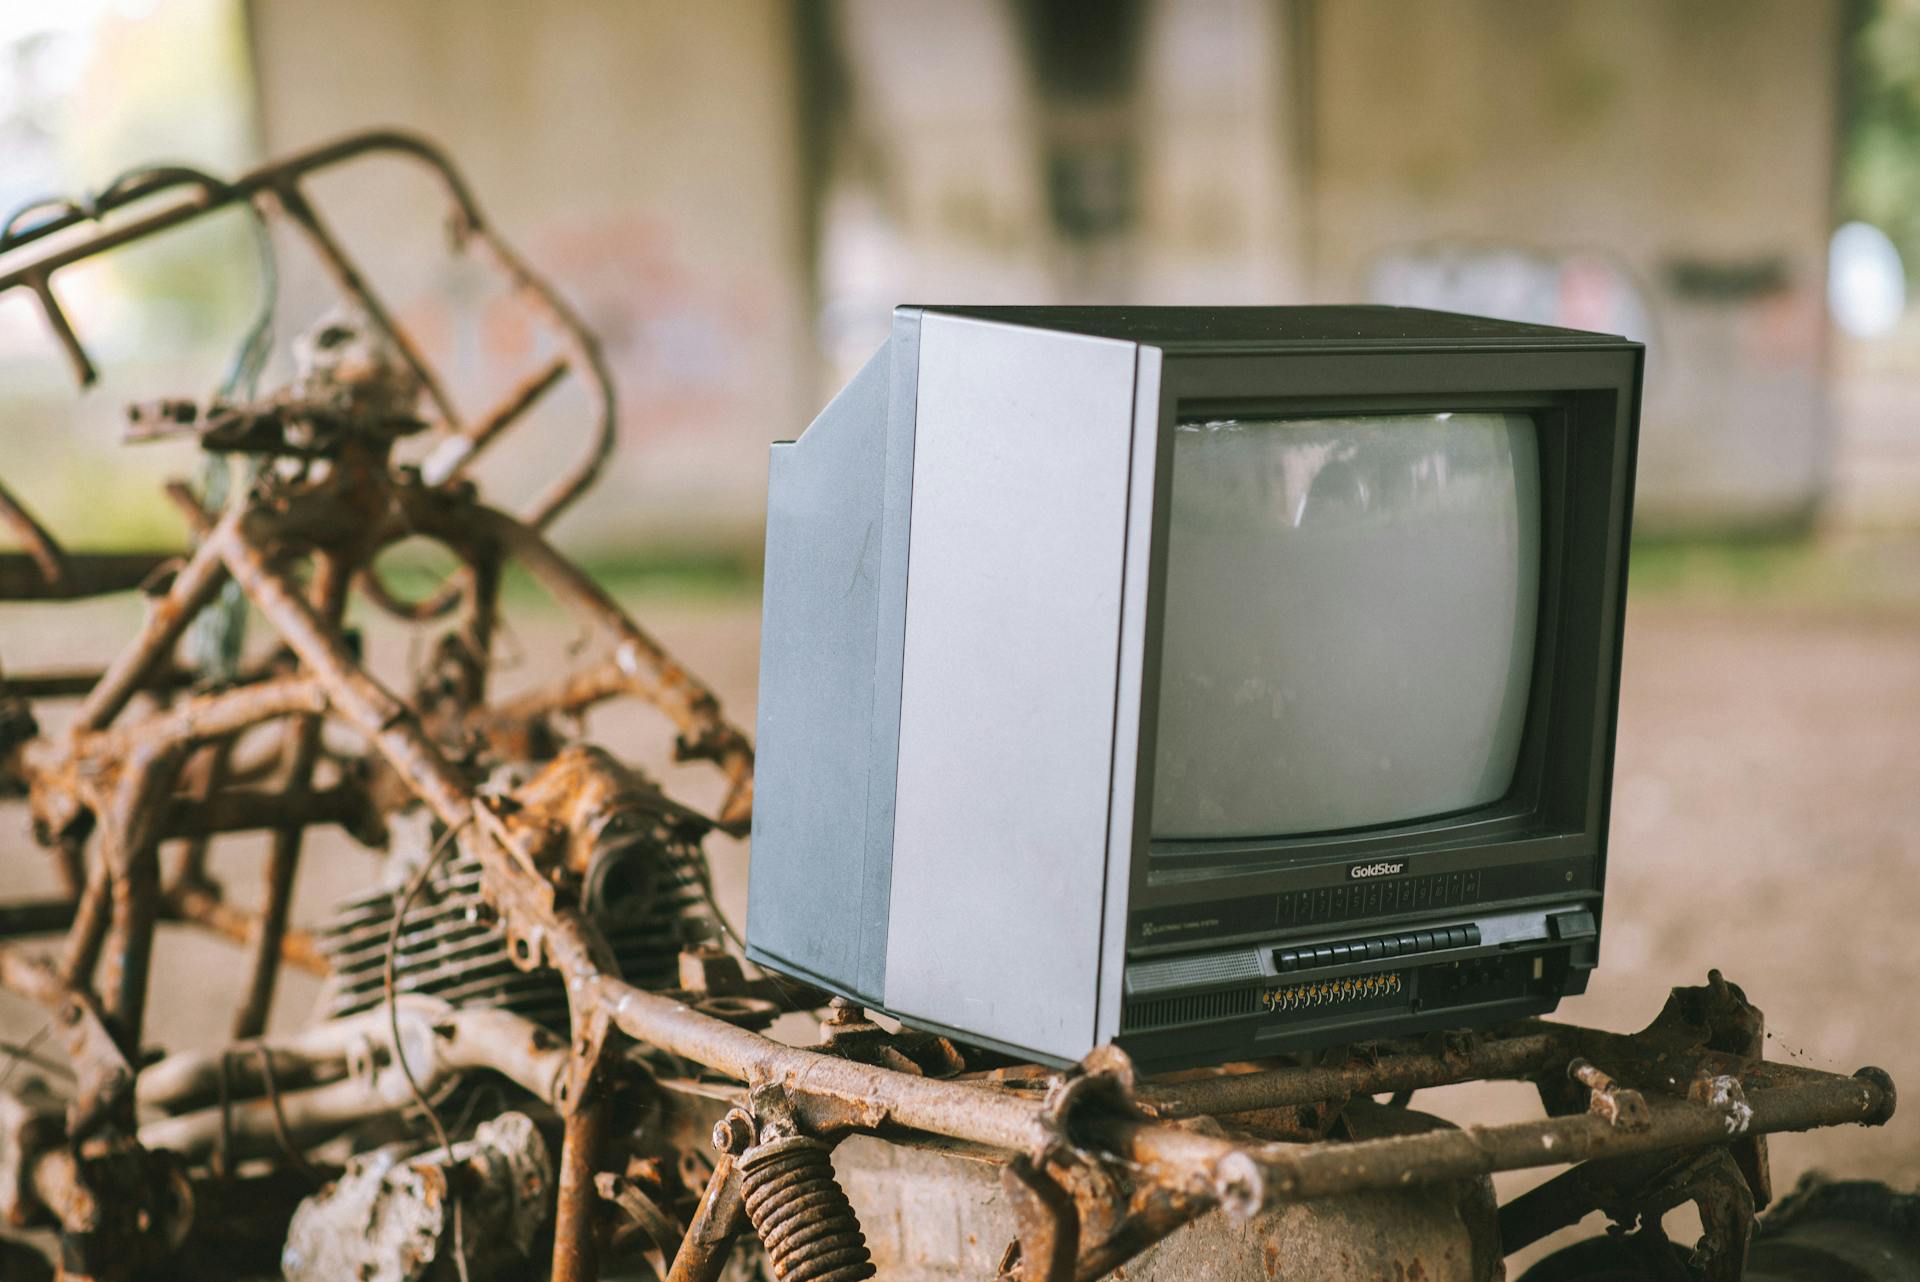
point(485, 1091)
point(414, 888)
point(280, 1130)
point(17, 1054)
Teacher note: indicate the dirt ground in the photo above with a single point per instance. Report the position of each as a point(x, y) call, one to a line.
point(1766, 821)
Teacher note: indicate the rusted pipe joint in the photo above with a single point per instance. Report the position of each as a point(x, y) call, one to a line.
point(1881, 1080)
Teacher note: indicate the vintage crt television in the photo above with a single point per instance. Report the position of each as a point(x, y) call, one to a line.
point(1213, 682)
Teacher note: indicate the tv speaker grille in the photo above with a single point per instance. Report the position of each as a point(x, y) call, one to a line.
point(1193, 1009)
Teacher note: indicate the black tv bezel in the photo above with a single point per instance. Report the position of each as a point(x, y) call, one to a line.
point(1585, 403)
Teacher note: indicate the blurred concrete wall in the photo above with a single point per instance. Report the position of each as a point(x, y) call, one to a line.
point(1633, 166)
point(738, 194)
point(642, 152)
point(1663, 169)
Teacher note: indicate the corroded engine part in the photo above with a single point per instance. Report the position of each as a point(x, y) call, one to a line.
point(118, 1207)
point(633, 859)
point(941, 1212)
point(400, 1219)
point(604, 832)
point(338, 1075)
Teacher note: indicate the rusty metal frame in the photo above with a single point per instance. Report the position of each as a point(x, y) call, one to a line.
point(1099, 1166)
point(150, 201)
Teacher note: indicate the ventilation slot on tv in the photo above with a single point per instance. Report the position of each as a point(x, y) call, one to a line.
point(1181, 1010)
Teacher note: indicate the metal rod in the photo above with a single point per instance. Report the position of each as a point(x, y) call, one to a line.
point(831, 1092)
point(576, 1254)
point(249, 810)
point(353, 694)
point(166, 619)
point(42, 547)
point(717, 1222)
point(89, 927)
point(331, 575)
point(201, 719)
point(130, 848)
point(202, 779)
point(346, 275)
point(42, 287)
point(199, 904)
point(82, 574)
point(36, 917)
point(704, 733)
point(207, 199)
point(1499, 1057)
point(456, 455)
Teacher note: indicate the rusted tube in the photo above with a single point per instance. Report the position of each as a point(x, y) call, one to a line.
point(574, 693)
point(576, 1248)
point(583, 355)
point(825, 1090)
point(314, 1062)
point(35, 917)
point(353, 694)
point(830, 1092)
point(333, 256)
point(331, 576)
point(130, 848)
point(166, 619)
point(247, 810)
point(1505, 1057)
point(82, 574)
point(44, 550)
point(458, 453)
point(89, 927)
point(199, 904)
point(203, 777)
point(74, 683)
point(675, 691)
point(1153, 1214)
point(717, 1221)
point(207, 717)
point(208, 197)
point(33, 978)
point(1269, 1174)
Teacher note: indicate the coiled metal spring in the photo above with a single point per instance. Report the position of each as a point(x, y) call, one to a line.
point(801, 1213)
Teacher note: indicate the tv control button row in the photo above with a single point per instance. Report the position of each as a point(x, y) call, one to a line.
point(1400, 894)
point(1311, 956)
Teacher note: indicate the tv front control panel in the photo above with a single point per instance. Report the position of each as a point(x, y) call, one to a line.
point(1268, 997)
point(1356, 895)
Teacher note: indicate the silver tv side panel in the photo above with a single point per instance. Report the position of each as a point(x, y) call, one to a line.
point(1014, 584)
point(825, 580)
point(1127, 824)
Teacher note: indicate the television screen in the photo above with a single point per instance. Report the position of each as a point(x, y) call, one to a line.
point(1351, 605)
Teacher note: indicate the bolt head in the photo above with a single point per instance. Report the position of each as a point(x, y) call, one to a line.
point(733, 1133)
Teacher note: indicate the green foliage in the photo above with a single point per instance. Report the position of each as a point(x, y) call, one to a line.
point(1880, 148)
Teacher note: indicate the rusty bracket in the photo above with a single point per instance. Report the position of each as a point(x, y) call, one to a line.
point(1723, 1093)
point(1047, 1225)
point(1712, 1182)
point(1612, 1103)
